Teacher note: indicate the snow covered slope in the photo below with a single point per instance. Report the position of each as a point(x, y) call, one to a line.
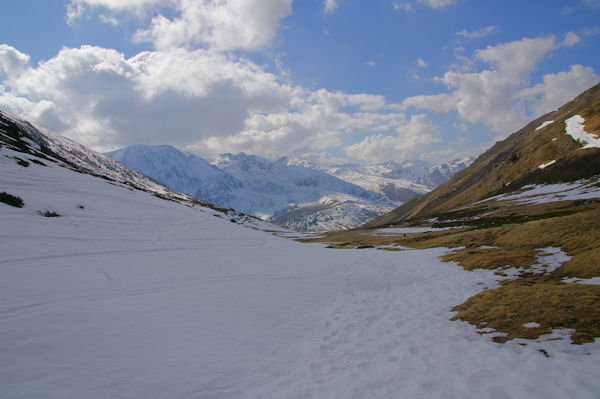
point(291, 192)
point(398, 182)
point(128, 295)
point(329, 213)
point(169, 166)
point(275, 187)
point(260, 187)
point(29, 143)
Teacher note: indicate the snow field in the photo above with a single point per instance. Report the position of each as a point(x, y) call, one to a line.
point(544, 193)
point(136, 297)
point(543, 125)
point(574, 128)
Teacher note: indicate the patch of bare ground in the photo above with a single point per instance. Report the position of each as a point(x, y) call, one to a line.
point(541, 298)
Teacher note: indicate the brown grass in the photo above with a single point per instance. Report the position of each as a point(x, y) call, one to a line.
point(551, 304)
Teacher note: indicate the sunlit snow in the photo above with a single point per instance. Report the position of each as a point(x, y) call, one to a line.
point(543, 193)
point(574, 128)
point(543, 125)
point(126, 295)
point(544, 165)
point(589, 281)
point(532, 324)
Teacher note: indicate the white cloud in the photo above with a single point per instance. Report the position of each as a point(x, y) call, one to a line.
point(199, 100)
point(12, 61)
point(217, 24)
point(77, 8)
point(409, 139)
point(558, 88)
point(330, 6)
point(477, 34)
point(410, 5)
point(371, 63)
point(421, 63)
point(571, 39)
point(437, 3)
point(402, 6)
point(497, 96)
point(438, 102)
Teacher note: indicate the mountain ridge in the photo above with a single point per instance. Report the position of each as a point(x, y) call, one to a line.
point(294, 193)
point(541, 152)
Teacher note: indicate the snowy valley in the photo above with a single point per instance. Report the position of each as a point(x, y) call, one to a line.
point(130, 294)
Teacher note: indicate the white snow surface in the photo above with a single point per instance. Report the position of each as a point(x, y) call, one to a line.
point(589, 281)
point(531, 324)
point(543, 193)
point(549, 259)
point(544, 165)
point(543, 125)
point(409, 230)
point(133, 296)
point(574, 128)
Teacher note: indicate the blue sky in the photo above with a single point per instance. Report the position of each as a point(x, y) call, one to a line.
point(331, 80)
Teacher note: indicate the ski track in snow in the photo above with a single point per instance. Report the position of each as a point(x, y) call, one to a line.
point(136, 297)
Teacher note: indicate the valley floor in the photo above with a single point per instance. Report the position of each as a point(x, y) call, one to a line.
point(126, 295)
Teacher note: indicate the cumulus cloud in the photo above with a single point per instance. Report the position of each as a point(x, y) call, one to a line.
point(410, 137)
point(557, 88)
point(77, 8)
point(200, 100)
point(12, 61)
point(496, 96)
point(216, 24)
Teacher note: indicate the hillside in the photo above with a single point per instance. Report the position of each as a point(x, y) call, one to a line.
point(113, 286)
point(540, 153)
point(527, 209)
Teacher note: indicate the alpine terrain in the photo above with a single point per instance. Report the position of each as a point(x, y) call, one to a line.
point(529, 209)
point(112, 285)
point(293, 193)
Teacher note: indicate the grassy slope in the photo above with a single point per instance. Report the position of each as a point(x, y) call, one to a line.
point(513, 163)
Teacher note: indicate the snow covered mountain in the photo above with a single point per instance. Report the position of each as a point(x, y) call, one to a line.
point(290, 192)
point(130, 294)
point(398, 182)
point(32, 143)
point(260, 187)
point(167, 165)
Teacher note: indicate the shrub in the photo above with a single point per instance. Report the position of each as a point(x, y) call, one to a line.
point(11, 200)
point(49, 214)
point(22, 162)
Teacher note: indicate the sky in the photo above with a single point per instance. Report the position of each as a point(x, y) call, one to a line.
point(333, 81)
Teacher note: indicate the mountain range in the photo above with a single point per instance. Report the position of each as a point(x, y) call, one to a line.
point(291, 192)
